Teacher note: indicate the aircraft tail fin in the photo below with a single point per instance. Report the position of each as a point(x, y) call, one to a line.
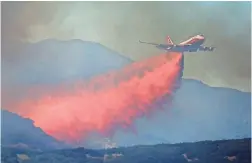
point(169, 41)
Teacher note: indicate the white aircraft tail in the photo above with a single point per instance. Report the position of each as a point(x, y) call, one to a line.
point(169, 41)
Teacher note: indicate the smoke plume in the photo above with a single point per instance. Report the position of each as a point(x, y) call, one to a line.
point(72, 110)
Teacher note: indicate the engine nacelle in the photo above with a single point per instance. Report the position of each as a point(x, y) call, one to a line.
point(207, 48)
point(211, 48)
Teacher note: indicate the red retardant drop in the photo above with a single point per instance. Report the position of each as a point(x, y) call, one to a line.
point(70, 111)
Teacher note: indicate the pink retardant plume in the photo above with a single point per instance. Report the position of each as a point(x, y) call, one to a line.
point(71, 111)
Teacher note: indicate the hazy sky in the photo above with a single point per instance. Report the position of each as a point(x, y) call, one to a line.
point(119, 26)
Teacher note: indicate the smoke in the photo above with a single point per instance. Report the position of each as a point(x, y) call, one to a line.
point(119, 26)
point(115, 99)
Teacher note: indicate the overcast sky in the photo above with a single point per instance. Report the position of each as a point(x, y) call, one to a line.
point(119, 26)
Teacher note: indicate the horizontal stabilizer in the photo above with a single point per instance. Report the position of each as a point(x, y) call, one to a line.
point(147, 43)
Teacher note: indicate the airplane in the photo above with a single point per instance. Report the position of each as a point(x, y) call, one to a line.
point(193, 44)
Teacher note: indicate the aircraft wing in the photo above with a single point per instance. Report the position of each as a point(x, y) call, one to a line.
point(148, 43)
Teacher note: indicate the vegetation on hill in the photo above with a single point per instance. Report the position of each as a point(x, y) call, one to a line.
point(222, 151)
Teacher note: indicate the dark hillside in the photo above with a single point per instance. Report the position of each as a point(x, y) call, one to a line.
point(221, 151)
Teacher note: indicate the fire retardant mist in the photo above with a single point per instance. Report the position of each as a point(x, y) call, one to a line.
point(70, 111)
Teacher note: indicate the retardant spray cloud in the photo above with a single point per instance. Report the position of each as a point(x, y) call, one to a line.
point(70, 111)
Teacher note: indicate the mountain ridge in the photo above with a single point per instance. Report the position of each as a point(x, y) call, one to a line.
point(129, 60)
point(24, 134)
